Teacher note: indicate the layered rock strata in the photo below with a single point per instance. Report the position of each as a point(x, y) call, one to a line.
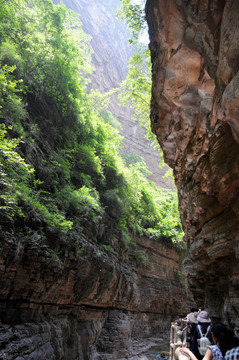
point(195, 63)
point(85, 303)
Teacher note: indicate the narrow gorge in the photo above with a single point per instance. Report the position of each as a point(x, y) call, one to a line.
point(92, 292)
point(76, 284)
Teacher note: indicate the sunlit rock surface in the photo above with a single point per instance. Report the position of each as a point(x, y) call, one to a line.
point(195, 63)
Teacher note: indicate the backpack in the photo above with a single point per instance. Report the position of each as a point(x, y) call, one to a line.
point(203, 342)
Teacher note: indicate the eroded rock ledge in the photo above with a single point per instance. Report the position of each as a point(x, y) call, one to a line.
point(82, 302)
point(195, 63)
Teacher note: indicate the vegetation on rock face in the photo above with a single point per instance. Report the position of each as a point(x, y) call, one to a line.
point(136, 88)
point(60, 159)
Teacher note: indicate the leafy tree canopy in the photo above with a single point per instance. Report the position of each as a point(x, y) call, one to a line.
point(133, 14)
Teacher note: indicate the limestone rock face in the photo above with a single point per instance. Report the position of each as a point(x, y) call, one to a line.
point(195, 63)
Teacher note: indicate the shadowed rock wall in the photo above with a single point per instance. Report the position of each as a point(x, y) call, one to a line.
point(195, 93)
point(85, 303)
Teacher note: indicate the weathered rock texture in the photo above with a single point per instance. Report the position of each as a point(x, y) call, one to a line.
point(195, 63)
point(85, 304)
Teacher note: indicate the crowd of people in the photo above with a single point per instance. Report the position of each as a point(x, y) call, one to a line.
point(207, 341)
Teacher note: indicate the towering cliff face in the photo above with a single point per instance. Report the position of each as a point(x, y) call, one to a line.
point(111, 53)
point(194, 47)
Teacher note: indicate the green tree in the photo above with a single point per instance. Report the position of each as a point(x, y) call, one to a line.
point(134, 16)
point(136, 88)
point(48, 45)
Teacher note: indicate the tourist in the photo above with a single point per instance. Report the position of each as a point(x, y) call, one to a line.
point(225, 344)
point(191, 319)
point(203, 328)
point(233, 353)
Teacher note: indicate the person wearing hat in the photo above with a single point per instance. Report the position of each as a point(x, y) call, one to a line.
point(203, 327)
point(191, 325)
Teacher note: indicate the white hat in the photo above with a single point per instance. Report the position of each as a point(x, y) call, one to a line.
point(203, 317)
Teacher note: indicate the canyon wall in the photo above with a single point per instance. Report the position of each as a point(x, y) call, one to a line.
point(194, 114)
point(111, 53)
point(82, 302)
point(87, 294)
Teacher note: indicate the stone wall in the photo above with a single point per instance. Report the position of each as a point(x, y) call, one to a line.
point(194, 48)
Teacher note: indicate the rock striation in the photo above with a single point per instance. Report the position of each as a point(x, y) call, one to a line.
point(83, 302)
point(194, 114)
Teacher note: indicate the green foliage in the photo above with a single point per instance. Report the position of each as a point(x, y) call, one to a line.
point(107, 248)
point(11, 89)
point(14, 172)
point(136, 88)
point(130, 158)
point(43, 50)
point(139, 256)
point(152, 211)
point(50, 214)
point(49, 47)
point(88, 199)
point(110, 119)
point(169, 175)
point(79, 174)
point(134, 16)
